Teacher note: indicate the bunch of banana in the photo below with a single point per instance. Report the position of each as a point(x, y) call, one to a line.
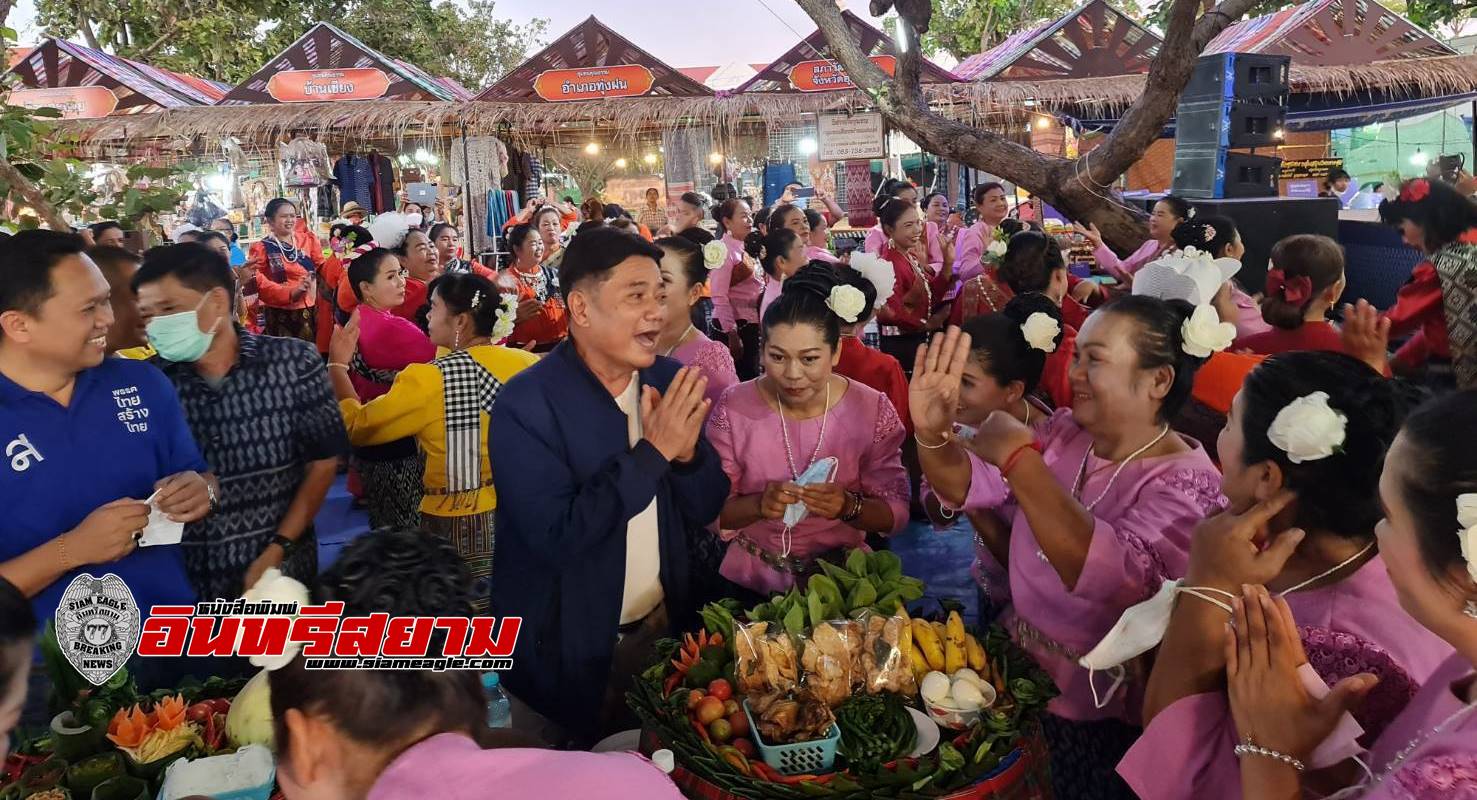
point(945, 647)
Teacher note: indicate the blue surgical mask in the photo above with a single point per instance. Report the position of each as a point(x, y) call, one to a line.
point(178, 338)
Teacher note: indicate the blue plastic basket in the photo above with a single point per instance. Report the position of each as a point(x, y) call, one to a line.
point(801, 758)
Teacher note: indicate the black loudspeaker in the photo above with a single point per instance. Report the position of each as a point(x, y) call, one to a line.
point(1265, 221)
point(1202, 172)
point(1232, 100)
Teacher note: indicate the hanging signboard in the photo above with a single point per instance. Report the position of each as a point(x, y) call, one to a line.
point(75, 102)
point(828, 76)
point(593, 83)
point(841, 137)
point(318, 85)
point(1294, 169)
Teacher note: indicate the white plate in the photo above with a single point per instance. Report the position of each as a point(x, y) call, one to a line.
point(625, 741)
point(928, 733)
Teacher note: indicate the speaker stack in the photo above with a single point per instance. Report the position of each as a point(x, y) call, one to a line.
point(1233, 100)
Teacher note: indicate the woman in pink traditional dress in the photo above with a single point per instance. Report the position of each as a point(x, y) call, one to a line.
point(970, 246)
point(1168, 213)
point(818, 241)
point(390, 473)
point(1428, 541)
point(1328, 569)
point(1219, 237)
point(735, 286)
point(780, 253)
point(769, 431)
point(1098, 510)
point(683, 277)
point(1002, 373)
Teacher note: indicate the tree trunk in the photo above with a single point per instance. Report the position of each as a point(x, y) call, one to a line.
point(22, 186)
point(1080, 188)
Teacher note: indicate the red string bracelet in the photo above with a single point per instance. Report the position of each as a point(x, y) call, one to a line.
point(1015, 457)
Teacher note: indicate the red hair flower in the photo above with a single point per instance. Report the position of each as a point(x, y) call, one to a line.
point(1293, 290)
point(1416, 191)
point(1470, 237)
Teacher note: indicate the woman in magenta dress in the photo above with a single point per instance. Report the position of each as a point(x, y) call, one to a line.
point(1332, 576)
point(769, 431)
point(1305, 278)
point(780, 253)
point(735, 286)
point(683, 275)
point(390, 473)
point(1428, 540)
point(1168, 213)
point(1097, 518)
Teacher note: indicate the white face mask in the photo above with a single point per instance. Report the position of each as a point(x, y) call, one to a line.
point(414, 220)
point(1138, 631)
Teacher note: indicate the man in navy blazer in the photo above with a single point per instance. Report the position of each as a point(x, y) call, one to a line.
point(601, 472)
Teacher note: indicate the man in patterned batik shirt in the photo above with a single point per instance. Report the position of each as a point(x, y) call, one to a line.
point(261, 409)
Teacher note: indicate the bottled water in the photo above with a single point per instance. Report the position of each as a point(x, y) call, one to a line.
point(499, 710)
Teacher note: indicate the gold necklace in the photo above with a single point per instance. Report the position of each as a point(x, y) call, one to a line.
point(670, 350)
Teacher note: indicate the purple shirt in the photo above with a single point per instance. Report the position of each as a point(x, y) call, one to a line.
point(1353, 626)
point(734, 301)
point(715, 361)
point(1443, 765)
point(450, 766)
point(864, 434)
point(1141, 537)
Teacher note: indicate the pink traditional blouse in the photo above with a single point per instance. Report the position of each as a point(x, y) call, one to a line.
point(1353, 626)
point(1128, 265)
point(734, 300)
point(1141, 537)
point(450, 766)
point(714, 359)
point(387, 344)
point(1440, 764)
point(969, 250)
point(814, 253)
point(864, 434)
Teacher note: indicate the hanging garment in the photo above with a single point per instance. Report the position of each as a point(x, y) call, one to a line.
point(303, 162)
point(355, 176)
point(384, 184)
point(533, 185)
point(479, 163)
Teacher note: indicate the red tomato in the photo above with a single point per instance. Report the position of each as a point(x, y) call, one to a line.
point(199, 712)
point(693, 698)
point(221, 705)
point(709, 709)
point(744, 746)
point(740, 724)
point(720, 689)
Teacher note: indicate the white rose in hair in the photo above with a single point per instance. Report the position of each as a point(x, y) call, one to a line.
point(274, 587)
point(997, 248)
point(1204, 333)
point(1308, 429)
point(847, 301)
point(714, 254)
point(1041, 331)
point(507, 317)
point(1466, 510)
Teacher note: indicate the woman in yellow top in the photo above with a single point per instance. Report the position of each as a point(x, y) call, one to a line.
point(446, 406)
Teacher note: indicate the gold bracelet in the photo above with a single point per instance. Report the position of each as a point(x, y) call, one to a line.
point(344, 367)
point(948, 437)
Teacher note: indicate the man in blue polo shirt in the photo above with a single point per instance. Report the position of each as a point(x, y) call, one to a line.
point(86, 439)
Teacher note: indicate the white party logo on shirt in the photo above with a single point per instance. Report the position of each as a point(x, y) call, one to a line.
point(21, 453)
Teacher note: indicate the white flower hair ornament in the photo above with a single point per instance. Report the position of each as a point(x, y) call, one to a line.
point(1204, 333)
point(1191, 214)
point(388, 230)
point(274, 587)
point(506, 316)
point(878, 273)
point(1309, 429)
point(1040, 332)
point(1466, 516)
point(996, 248)
point(847, 302)
point(714, 254)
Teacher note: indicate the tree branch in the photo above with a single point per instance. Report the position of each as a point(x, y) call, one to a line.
point(28, 192)
point(905, 108)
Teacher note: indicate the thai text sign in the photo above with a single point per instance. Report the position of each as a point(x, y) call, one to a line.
point(593, 83)
point(318, 85)
point(828, 76)
point(75, 102)
point(847, 136)
point(1294, 169)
